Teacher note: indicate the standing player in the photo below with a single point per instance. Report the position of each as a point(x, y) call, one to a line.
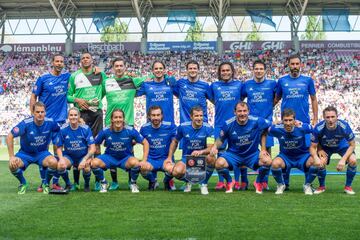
point(192, 92)
point(78, 143)
point(118, 140)
point(225, 93)
point(51, 89)
point(85, 91)
point(295, 89)
point(159, 91)
point(159, 134)
point(294, 153)
point(120, 90)
point(195, 136)
point(330, 136)
point(260, 94)
point(35, 135)
point(243, 133)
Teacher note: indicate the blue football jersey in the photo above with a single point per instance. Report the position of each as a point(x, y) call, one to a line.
point(52, 90)
point(160, 94)
point(159, 139)
point(293, 143)
point(34, 138)
point(295, 94)
point(193, 138)
point(75, 141)
point(191, 94)
point(260, 97)
point(119, 144)
point(225, 95)
point(334, 139)
point(243, 140)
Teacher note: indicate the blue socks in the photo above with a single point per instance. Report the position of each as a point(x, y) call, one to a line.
point(243, 172)
point(236, 174)
point(350, 174)
point(99, 174)
point(134, 174)
point(278, 175)
point(42, 171)
point(50, 172)
point(209, 172)
point(311, 174)
point(149, 176)
point(263, 171)
point(321, 176)
point(76, 174)
point(19, 175)
point(87, 176)
point(65, 175)
point(225, 173)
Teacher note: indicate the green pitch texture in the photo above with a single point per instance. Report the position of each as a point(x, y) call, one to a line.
point(176, 215)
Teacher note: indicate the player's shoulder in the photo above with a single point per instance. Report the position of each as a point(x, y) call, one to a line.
point(320, 126)
point(146, 125)
point(44, 76)
point(283, 77)
point(202, 82)
point(343, 124)
point(278, 126)
point(106, 130)
point(28, 120)
point(166, 123)
point(207, 125)
point(185, 124)
point(84, 126)
point(50, 120)
point(65, 126)
point(230, 121)
point(253, 118)
point(129, 127)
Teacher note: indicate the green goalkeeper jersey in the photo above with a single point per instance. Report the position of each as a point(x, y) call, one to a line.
point(86, 86)
point(120, 93)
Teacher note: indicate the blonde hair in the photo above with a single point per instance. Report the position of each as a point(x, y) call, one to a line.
point(80, 120)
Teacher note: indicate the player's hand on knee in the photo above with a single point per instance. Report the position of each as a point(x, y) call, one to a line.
point(83, 164)
point(214, 151)
point(143, 166)
point(340, 166)
point(322, 154)
point(14, 162)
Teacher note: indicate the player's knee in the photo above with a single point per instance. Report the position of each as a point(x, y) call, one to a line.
point(132, 162)
point(210, 160)
point(220, 163)
point(352, 161)
point(179, 171)
point(276, 163)
point(265, 161)
point(95, 163)
point(51, 162)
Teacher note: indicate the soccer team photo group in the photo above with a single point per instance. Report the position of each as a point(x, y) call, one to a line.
point(184, 120)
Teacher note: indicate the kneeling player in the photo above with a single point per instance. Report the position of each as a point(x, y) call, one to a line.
point(79, 147)
point(119, 151)
point(293, 151)
point(195, 136)
point(35, 135)
point(243, 133)
point(330, 136)
point(159, 134)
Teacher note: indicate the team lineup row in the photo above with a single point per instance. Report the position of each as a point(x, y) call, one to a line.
point(242, 132)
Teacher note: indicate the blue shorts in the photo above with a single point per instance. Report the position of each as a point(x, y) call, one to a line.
point(330, 152)
point(235, 161)
point(298, 162)
point(30, 158)
point(74, 161)
point(157, 164)
point(111, 162)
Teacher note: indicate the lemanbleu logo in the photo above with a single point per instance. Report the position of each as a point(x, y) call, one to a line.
point(6, 48)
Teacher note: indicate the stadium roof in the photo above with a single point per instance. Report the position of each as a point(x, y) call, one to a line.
point(16, 9)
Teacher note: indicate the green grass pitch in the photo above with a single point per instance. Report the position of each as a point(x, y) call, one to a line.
point(176, 215)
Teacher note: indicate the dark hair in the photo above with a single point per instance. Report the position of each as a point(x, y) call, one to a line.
point(258, 61)
point(196, 108)
point(157, 61)
point(117, 60)
point(38, 104)
point(192, 62)
point(112, 115)
point(330, 109)
point(155, 107)
point(231, 66)
point(56, 55)
point(293, 56)
point(241, 103)
point(287, 112)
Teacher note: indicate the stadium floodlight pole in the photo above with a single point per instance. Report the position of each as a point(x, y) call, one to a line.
point(66, 10)
point(143, 10)
point(2, 24)
point(219, 10)
point(295, 10)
